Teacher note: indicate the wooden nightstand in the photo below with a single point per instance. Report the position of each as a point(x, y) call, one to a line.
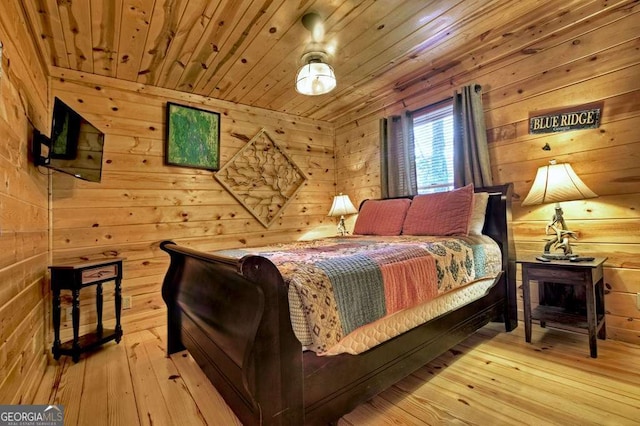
point(562, 284)
point(75, 277)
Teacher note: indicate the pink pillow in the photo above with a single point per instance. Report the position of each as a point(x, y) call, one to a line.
point(382, 217)
point(442, 213)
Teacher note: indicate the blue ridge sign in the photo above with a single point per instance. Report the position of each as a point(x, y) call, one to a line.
point(567, 119)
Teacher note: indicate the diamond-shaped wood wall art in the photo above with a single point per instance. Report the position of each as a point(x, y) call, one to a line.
point(262, 177)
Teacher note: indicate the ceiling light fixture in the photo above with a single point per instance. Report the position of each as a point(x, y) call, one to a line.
point(316, 76)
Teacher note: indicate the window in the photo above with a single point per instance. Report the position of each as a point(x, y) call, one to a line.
point(433, 143)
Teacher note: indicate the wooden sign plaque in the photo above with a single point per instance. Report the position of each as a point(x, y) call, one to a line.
point(567, 119)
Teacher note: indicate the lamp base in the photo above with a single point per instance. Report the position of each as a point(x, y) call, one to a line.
point(561, 238)
point(342, 229)
point(554, 256)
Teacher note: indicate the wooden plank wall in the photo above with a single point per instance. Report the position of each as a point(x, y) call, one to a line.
point(23, 212)
point(589, 54)
point(141, 202)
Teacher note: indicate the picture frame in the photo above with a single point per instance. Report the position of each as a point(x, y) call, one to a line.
point(192, 137)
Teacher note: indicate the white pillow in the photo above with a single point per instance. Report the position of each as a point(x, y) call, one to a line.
point(476, 223)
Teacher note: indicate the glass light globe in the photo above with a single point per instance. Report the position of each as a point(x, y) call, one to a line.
point(315, 78)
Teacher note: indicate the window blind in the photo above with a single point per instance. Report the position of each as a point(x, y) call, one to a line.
point(433, 141)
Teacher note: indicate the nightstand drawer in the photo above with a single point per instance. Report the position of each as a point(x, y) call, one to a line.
point(565, 275)
point(99, 273)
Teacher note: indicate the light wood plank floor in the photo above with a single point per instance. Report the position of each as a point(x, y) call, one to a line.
point(491, 378)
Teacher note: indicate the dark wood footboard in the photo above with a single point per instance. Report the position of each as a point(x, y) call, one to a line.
point(233, 317)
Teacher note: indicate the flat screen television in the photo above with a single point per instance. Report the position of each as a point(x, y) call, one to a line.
point(75, 146)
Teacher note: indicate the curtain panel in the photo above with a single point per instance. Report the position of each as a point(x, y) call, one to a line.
point(471, 163)
point(397, 157)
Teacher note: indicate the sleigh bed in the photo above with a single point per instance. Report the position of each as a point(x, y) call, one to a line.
point(233, 316)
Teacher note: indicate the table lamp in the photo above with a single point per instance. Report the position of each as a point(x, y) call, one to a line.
point(342, 205)
point(555, 183)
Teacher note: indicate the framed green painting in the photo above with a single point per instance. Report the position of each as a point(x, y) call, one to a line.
point(192, 137)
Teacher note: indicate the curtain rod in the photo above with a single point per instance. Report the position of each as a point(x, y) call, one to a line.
point(433, 105)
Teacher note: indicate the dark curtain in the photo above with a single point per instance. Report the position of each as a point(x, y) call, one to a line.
point(471, 163)
point(397, 157)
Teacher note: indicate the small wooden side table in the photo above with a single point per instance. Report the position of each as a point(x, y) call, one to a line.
point(75, 277)
point(550, 312)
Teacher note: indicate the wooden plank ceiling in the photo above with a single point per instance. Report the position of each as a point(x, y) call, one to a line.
point(248, 51)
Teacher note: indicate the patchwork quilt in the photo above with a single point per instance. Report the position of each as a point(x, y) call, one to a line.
point(338, 285)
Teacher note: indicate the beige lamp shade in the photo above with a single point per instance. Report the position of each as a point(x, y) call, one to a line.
point(342, 205)
point(555, 183)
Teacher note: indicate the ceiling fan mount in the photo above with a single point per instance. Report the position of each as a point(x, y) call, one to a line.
point(315, 76)
point(310, 20)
